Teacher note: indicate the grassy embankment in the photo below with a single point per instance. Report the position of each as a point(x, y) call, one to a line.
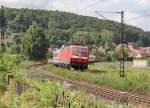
point(136, 80)
point(43, 94)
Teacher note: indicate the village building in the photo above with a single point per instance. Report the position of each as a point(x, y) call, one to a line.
point(139, 52)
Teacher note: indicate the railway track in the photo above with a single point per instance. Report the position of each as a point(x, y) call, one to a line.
point(99, 91)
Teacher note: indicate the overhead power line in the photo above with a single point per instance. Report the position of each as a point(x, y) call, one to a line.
point(112, 22)
point(91, 5)
point(109, 12)
point(122, 65)
point(97, 12)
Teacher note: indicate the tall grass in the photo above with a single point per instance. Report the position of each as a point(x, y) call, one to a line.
point(45, 94)
point(108, 76)
point(49, 95)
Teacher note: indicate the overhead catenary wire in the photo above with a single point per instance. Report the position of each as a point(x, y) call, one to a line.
point(122, 67)
point(134, 18)
point(111, 21)
point(109, 11)
point(97, 12)
point(91, 5)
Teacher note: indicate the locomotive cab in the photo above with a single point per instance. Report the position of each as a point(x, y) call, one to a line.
point(79, 57)
point(72, 56)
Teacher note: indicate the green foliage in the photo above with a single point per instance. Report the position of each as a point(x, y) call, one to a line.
point(146, 39)
point(147, 58)
point(41, 94)
point(60, 26)
point(58, 37)
point(107, 37)
point(49, 54)
point(13, 99)
point(7, 65)
point(16, 43)
point(119, 52)
point(108, 75)
point(82, 38)
point(35, 43)
point(98, 53)
point(49, 94)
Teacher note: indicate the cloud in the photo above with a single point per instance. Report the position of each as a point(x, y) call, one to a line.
point(116, 1)
point(35, 4)
point(143, 3)
point(131, 18)
point(132, 8)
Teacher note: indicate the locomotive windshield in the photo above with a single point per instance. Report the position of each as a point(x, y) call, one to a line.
point(80, 51)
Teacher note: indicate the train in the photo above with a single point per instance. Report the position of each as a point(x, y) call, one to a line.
point(72, 56)
point(92, 58)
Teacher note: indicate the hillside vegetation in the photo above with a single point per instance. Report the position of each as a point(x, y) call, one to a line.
point(60, 27)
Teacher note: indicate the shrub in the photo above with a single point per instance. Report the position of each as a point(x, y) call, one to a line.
point(98, 53)
point(49, 54)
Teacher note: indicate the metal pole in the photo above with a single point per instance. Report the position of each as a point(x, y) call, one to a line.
point(1, 34)
point(122, 42)
point(2, 25)
point(122, 46)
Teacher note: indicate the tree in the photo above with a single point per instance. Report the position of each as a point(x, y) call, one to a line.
point(16, 43)
point(98, 53)
point(119, 50)
point(58, 37)
point(35, 43)
point(144, 40)
point(19, 20)
point(107, 37)
point(96, 39)
point(82, 38)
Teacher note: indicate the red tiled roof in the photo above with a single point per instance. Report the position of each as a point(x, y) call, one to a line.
point(145, 51)
point(52, 49)
point(101, 49)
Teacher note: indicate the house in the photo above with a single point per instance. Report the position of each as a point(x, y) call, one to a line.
point(138, 52)
point(146, 51)
point(101, 49)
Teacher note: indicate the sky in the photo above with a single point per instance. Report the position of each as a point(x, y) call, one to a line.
point(137, 12)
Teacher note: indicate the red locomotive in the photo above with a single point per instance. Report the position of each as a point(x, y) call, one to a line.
point(72, 56)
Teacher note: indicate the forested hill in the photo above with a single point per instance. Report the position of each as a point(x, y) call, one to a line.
point(61, 26)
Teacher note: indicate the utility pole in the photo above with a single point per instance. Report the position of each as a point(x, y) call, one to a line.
point(122, 42)
point(122, 67)
point(2, 25)
point(2, 39)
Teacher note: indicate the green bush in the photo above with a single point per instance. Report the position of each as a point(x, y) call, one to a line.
point(47, 95)
point(98, 53)
point(49, 54)
point(7, 65)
